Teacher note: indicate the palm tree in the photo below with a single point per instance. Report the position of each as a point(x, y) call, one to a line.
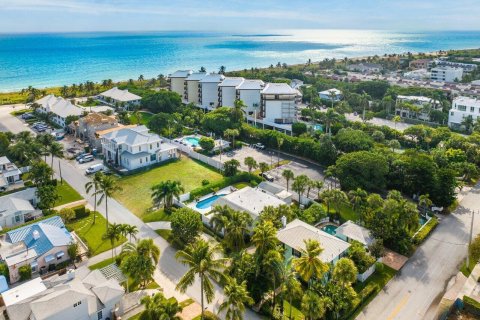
point(237, 296)
point(145, 248)
point(231, 133)
point(222, 70)
point(309, 265)
point(288, 175)
point(345, 272)
point(95, 185)
point(221, 215)
point(333, 96)
point(113, 233)
point(107, 187)
point(318, 185)
point(263, 167)
point(157, 307)
point(468, 123)
point(201, 258)
point(131, 231)
point(236, 228)
point(424, 202)
point(280, 141)
point(141, 78)
point(56, 150)
point(329, 118)
point(299, 185)
point(289, 284)
point(165, 191)
point(357, 198)
point(45, 140)
point(396, 120)
point(314, 306)
point(264, 238)
point(202, 69)
point(250, 163)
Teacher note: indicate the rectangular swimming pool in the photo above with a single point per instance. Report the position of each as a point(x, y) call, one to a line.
point(207, 203)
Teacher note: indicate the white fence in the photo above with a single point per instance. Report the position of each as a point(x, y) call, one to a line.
point(364, 276)
point(195, 155)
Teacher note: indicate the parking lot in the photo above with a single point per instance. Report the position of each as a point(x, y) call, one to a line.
point(269, 156)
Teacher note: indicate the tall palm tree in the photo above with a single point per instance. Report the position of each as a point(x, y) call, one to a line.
point(280, 141)
point(113, 233)
point(165, 191)
point(318, 185)
point(107, 187)
point(45, 140)
point(264, 238)
point(157, 307)
point(145, 248)
point(130, 231)
point(56, 150)
point(236, 229)
point(309, 265)
point(300, 184)
point(289, 284)
point(202, 260)
point(237, 296)
point(94, 185)
point(250, 163)
point(357, 198)
point(314, 306)
point(424, 202)
point(288, 175)
point(330, 117)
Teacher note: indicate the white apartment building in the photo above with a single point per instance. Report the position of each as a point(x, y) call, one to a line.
point(192, 87)
point(227, 91)
point(177, 82)
point(9, 173)
point(60, 108)
point(209, 91)
point(463, 107)
point(120, 98)
point(423, 104)
point(467, 67)
point(446, 74)
point(132, 148)
point(279, 103)
point(250, 92)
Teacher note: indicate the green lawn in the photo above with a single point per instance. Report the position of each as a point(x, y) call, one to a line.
point(136, 194)
point(159, 215)
point(92, 233)
point(467, 270)
point(102, 264)
point(346, 212)
point(241, 185)
point(67, 194)
point(165, 234)
point(296, 314)
point(144, 118)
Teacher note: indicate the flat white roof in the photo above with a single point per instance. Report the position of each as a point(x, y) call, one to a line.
point(180, 74)
point(467, 101)
point(279, 88)
point(212, 78)
point(416, 98)
point(197, 76)
point(23, 291)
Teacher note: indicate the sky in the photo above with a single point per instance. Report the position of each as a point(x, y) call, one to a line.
point(248, 16)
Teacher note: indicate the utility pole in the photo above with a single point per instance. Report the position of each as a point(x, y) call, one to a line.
point(470, 239)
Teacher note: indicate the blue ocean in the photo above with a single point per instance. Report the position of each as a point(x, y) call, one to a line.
point(43, 60)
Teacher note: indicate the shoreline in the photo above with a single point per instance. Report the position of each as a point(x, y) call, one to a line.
point(295, 65)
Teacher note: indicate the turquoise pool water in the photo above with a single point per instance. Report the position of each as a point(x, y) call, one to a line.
point(331, 229)
point(207, 203)
point(193, 141)
point(422, 220)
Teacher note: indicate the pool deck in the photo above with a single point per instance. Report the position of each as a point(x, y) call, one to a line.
point(206, 211)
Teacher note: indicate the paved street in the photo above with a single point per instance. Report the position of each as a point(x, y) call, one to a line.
point(415, 292)
point(170, 271)
point(379, 122)
point(9, 122)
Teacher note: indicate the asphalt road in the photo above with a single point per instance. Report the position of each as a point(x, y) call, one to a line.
point(416, 290)
point(9, 122)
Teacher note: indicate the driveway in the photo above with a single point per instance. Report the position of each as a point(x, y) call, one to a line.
point(170, 270)
point(414, 293)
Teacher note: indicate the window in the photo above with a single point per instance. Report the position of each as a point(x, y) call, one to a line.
point(153, 157)
point(451, 113)
point(99, 315)
point(140, 148)
point(141, 160)
point(17, 218)
point(150, 146)
point(77, 304)
point(158, 145)
point(462, 108)
point(296, 253)
point(146, 159)
point(472, 109)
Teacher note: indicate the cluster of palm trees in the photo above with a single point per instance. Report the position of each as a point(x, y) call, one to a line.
point(115, 231)
point(102, 187)
point(301, 183)
point(165, 191)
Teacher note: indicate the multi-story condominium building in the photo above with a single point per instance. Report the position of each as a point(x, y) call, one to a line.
point(463, 107)
point(365, 67)
point(227, 91)
point(279, 103)
point(9, 173)
point(177, 82)
point(80, 294)
point(467, 67)
point(192, 91)
point(416, 107)
point(420, 64)
point(59, 107)
point(446, 74)
point(120, 98)
point(208, 91)
point(40, 245)
point(417, 74)
point(249, 91)
point(18, 207)
point(132, 148)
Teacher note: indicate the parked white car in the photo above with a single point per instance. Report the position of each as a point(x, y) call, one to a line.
point(95, 168)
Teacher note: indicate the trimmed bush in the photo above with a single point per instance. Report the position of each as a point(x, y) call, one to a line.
point(25, 272)
point(426, 230)
point(80, 212)
point(4, 271)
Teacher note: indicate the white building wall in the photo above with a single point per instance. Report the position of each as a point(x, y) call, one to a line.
point(461, 109)
point(274, 108)
point(178, 85)
point(192, 92)
point(446, 74)
point(80, 312)
point(229, 95)
point(251, 98)
point(209, 95)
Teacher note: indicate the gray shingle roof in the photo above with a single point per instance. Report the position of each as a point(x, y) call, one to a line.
point(180, 74)
point(355, 232)
point(132, 136)
point(231, 82)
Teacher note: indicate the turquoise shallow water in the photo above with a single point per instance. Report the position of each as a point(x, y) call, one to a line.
point(62, 59)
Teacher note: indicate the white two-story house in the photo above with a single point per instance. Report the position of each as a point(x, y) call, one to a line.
point(132, 148)
point(463, 107)
point(59, 107)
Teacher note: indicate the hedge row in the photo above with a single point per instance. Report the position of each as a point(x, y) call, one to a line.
point(225, 182)
point(365, 296)
point(471, 305)
point(80, 211)
point(426, 230)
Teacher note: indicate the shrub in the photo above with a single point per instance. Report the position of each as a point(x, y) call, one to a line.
point(471, 305)
point(186, 225)
point(425, 231)
point(206, 143)
point(28, 184)
point(227, 181)
point(313, 214)
point(4, 271)
point(205, 182)
point(67, 214)
point(80, 212)
point(238, 144)
point(25, 272)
